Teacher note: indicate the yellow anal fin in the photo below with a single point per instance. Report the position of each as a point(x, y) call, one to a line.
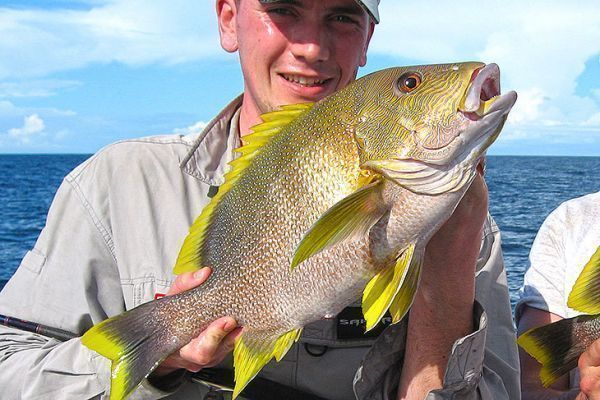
point(251, 354)
point(351, 217)
point(189, 258)
point(405, 296)
point(585, 296)
point(384, 287)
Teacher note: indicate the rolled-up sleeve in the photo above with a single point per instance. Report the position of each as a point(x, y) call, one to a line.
point(482, 365)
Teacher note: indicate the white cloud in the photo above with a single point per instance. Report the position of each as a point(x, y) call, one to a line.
point(191, 130)
point(594, 120)
point(540, 46)
point(37, 42)
point(35, 88)
point(33, 126)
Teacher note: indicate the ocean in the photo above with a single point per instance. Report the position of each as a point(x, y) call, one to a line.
point(523, 190)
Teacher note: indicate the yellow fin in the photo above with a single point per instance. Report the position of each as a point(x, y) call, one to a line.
point(251, 354)
point(274, 122)
point(351, 216)
point(557, 346)
point(383, 288)
point(404, 298)
point(585, 296)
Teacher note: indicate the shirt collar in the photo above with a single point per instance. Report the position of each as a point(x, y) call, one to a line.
point(213, 149)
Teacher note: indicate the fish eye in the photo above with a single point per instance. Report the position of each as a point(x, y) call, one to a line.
point(408, 82)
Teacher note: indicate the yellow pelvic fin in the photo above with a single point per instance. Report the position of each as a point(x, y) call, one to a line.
point(251, 354)
point(585, 296)
point(350, 217)
point(189, 258)
point(384, 287)
point(405, 296)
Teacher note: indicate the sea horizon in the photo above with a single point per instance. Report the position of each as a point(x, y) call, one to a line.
point(523, 189)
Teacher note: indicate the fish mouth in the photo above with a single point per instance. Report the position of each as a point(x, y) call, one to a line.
point(483, 91)
point(485, 107)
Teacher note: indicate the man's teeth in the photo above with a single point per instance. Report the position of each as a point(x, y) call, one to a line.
point(304, 81)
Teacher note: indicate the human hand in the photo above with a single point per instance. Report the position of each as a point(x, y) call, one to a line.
point(211, 346)
point(589, 371)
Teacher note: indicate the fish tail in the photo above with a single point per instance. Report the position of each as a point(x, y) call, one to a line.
point(136, 342)
point(557, 346)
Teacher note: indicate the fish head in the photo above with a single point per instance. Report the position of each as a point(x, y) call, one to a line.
point(426, 127)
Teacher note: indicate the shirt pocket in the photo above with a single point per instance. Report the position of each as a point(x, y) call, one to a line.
point(143, 289)
point(33, 261)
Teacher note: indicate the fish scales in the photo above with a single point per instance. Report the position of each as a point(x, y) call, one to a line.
point(327, 201)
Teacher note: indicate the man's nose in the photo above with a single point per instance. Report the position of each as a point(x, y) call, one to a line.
point(311, 43)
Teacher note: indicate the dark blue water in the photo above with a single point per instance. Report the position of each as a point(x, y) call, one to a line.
point(523, 190)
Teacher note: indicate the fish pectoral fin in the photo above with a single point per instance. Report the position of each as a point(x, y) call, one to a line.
point(352, 216)
point(422, 178)
point(585, 296)
point(252, 353)
point(393, 289)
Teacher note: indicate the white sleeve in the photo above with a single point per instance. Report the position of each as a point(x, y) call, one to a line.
point(544, 282)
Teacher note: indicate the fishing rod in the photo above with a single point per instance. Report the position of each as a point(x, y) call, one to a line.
point(35, 327)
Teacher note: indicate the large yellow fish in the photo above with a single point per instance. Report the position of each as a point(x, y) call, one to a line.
point(327, 201)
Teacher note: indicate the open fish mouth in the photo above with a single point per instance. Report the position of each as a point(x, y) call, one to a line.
point(486, 108)
point(483, 95)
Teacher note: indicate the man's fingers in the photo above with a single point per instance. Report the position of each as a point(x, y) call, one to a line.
point(227, 344)
point(591, 356)
point(203, 350)
point(189, 280)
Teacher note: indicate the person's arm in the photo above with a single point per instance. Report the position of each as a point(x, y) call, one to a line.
point(70, 280)
point(443, 308)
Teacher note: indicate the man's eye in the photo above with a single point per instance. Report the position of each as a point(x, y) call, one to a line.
point(343, 18)
point(280, 11)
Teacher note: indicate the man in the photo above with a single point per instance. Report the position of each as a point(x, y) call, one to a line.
point(118, 220)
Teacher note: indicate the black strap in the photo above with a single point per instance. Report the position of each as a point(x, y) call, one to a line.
point(258, 389)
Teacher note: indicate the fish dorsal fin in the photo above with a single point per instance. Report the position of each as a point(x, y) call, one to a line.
point(585, 296)
point(273, 123)
point(352, 216)
point(423, 178)
point(252, 353)
point(394, 286)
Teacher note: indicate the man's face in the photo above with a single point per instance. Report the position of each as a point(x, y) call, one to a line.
point(294, 51)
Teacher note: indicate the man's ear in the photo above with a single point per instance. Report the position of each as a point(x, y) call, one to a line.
point(226, 17)
point(363, 57)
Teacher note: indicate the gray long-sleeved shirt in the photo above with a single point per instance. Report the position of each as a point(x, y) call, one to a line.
point(111, 238)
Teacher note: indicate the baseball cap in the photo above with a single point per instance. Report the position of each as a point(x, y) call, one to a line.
point(371, 7)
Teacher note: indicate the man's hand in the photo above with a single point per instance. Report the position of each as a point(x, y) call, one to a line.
point(211, 346)
point(589, 371)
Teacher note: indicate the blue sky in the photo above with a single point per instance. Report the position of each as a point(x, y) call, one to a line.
point(77, 75)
